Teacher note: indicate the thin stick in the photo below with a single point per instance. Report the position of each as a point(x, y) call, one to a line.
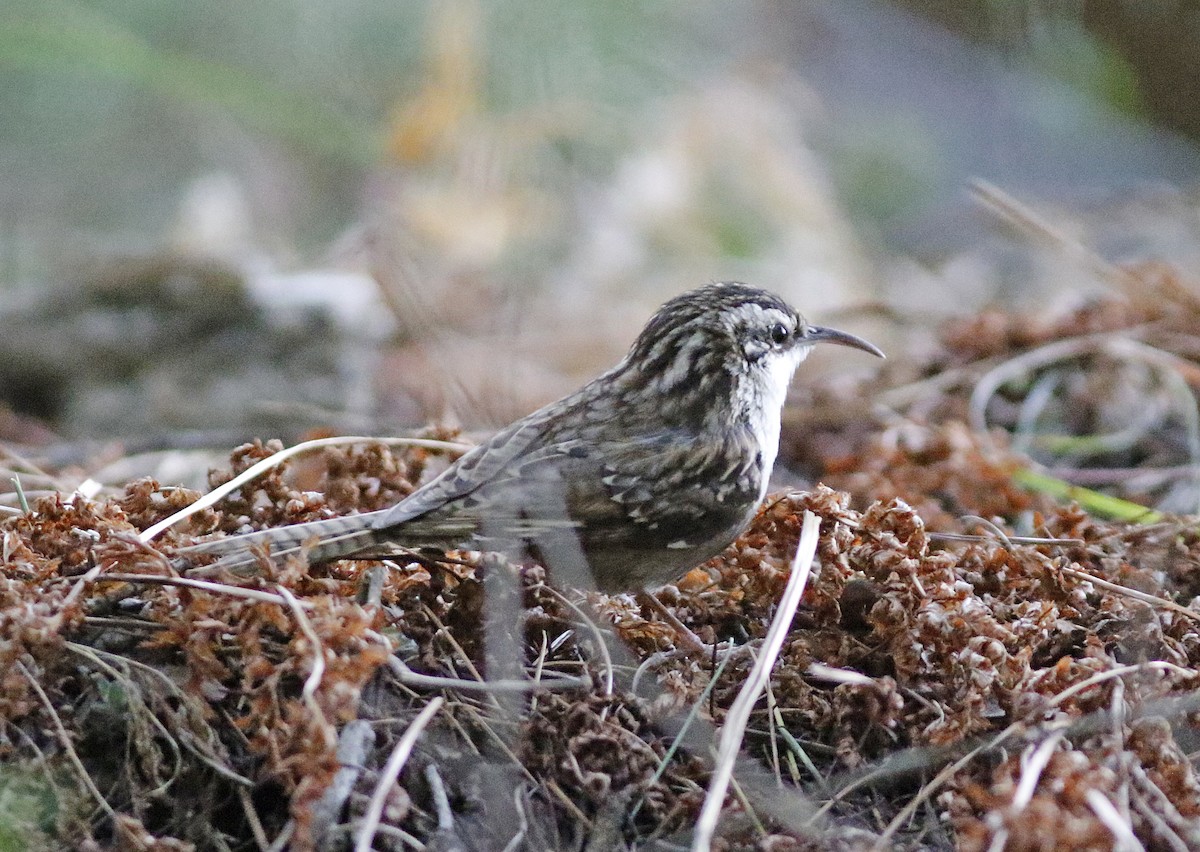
point(1119, 671)
point(313, 682)
point(441, 802)
point(884, 841)
point(1124, 838)
point(77, 590)
point(256, 826)
point(256, 470)
point(1033, 763)
point(601, 645)
point(64, 740)
point(1126, 591)
point(205, 585)
point(739, 714)
point(410, 678)
point(1033, 541)
point(676, 743)
point(1175, 373)
point(1034, 225)
point(391, 771)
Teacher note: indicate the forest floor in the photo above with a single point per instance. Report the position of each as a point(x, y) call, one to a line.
point(986, 655)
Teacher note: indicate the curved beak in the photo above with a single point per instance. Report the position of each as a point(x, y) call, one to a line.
point(817, 333)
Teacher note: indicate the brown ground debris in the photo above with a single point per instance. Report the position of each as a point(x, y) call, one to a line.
point(973, 665)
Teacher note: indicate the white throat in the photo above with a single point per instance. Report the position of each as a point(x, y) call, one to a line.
point(766, 410)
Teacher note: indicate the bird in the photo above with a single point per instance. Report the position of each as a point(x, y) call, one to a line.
point(645, 472)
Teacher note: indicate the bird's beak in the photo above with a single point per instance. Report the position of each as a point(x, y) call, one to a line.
point(817, 333)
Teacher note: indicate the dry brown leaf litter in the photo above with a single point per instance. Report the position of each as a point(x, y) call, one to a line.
point(180, 703)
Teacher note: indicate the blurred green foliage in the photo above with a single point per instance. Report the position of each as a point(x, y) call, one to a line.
point(1063, 49)
point(112, 106)
point(28, 810)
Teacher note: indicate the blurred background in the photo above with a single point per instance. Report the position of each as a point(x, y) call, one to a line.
point(223, 220)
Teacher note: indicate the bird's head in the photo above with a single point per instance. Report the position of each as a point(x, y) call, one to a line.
point(718, 338)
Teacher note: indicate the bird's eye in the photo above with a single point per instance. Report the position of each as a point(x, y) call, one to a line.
point(780, 334)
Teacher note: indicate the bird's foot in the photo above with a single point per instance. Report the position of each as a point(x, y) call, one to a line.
point(686, 640)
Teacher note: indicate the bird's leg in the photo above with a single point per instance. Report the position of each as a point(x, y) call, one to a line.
point(685, 638)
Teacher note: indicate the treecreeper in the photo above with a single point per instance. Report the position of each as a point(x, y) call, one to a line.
point(641, 474)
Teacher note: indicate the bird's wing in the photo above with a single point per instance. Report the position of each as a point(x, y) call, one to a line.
point(534, 476)
point(485, 467)
point(678, 491)
point(533, 479)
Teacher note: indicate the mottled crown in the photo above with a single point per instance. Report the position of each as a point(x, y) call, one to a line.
point(693, 354)
point(713, 309)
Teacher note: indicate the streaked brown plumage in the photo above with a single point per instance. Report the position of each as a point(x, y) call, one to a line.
point(648, 470)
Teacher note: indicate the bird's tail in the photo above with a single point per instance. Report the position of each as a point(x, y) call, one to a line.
point(334, 538)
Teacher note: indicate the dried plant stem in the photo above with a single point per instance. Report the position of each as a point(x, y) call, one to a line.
point(256, 470)
point(739, 714)
point(1177, 375)
point(884, 841)
point(1038, 227)
point(313, 682)
point(205, 585)
point(252, 819)
point(1118, 825)
point(416, 679)
point(601, 645)
point(1135, 594)
point(1120, 671)
point(64, 740)
point(391, 771)
point(1033, 763)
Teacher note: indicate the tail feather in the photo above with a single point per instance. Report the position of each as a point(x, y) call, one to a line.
point(335, 537)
